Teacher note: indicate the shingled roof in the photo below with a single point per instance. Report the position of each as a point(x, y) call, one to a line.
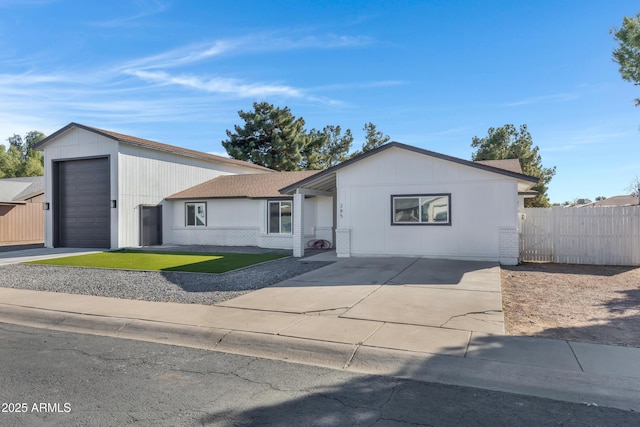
point(511, 165)
point(627, 200)
point(17, 190)
point(153, 145)
point(252, 186)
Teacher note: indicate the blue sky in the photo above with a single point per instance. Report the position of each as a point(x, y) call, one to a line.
point(431, 74)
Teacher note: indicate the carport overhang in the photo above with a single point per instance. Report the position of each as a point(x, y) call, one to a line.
point(322, 184)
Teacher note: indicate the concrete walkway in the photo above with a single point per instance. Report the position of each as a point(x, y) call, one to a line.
point(15, 257)
point(384, 316)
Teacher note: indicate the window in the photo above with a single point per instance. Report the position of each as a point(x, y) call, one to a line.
point(421, 209)
point(196, 214)
point(280, 217)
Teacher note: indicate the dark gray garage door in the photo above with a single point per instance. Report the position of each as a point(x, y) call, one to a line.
point(83, 204)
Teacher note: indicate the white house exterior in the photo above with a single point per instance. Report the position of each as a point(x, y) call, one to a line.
point(104, 189)
point(98, 183)
point(403, 200)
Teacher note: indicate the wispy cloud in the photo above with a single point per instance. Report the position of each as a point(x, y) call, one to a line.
point(158, 88)
point(544, 99)
point(153, 68)
point(257, 43)
point(218, 85)
point(183, 56)
point(147, 8)
point(27, 79)
point(359, 85)
point(578, 140)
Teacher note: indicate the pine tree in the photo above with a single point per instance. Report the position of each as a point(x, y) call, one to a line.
point(507, 142)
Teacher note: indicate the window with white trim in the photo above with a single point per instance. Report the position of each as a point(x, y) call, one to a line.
point(421, 209)
point(279, 216)
point(196, 214)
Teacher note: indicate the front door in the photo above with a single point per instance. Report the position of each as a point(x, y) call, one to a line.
point(150, 225)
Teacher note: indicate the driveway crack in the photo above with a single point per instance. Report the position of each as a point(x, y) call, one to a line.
point(401, 271)
point(471, 313)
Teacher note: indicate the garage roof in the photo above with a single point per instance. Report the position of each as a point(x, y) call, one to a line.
point(153, 145)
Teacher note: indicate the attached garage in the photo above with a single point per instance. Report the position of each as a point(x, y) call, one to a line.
point(82, 203)
point(104, 189)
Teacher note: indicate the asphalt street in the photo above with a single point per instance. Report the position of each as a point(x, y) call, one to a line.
point(60, 378)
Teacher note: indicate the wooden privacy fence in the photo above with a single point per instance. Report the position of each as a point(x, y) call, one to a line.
point(590, 235)
point(21, 223)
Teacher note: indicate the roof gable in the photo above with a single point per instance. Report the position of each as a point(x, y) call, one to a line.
point(479, 165)
point(152, 145)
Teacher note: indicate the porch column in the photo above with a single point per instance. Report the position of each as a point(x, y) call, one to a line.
point(298, 225)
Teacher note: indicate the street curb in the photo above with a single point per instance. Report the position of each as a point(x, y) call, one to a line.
point(573, 386)
point(288, 349)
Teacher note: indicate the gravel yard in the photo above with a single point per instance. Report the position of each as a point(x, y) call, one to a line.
point(191, 288)
point(588, 303)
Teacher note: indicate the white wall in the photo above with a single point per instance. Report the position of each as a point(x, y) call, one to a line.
point(148, 176)
point(481, 203)
point(78, 143)
point(324, 211)
point(239, 222)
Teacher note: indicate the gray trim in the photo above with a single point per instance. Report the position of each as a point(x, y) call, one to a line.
point(279, 200)
point(448, 223)
point(415, 150)
point(283, 197)
point(206, 214)
point(158, 212)
point(60, 237)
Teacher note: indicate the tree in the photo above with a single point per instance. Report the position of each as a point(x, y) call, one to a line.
point(373, 139)
point(507, 142)
point(271, 137)
point(274, 138)
point(634, 186)
point(336, 146)
point(627, 55)
point(20, 159)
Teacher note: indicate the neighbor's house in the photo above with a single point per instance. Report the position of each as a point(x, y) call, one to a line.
point(628, 200)
point(394, 200)
point(21, 215)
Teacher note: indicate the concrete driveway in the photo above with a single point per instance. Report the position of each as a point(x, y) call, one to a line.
point(450, 295)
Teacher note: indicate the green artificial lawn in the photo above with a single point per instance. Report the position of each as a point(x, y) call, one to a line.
point(162, 261)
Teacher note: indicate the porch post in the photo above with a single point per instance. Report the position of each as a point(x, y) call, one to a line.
point(298, 225)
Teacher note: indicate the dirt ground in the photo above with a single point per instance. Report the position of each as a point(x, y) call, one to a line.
point(598, 304)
